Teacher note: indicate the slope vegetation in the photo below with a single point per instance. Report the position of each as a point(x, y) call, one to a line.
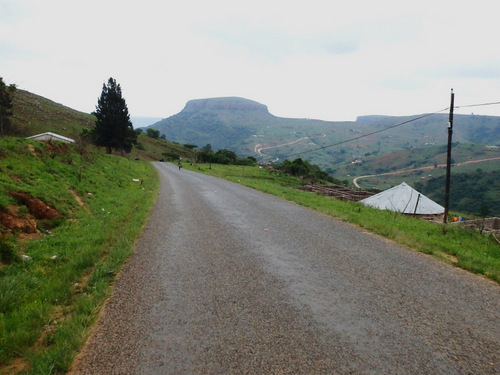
point(69, 218)
point(220, 122)
point(34, 114)
point(370, 146)
point(248, 128)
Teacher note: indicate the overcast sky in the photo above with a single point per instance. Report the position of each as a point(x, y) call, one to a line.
point(331, 60)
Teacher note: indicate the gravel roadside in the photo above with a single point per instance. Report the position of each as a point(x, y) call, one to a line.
point(227, 280)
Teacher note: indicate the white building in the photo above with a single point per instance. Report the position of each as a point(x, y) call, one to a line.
point(404, 199)
point(48, 136)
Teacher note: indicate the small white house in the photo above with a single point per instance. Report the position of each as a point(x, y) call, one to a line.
point(404, 199)
point(48, 136)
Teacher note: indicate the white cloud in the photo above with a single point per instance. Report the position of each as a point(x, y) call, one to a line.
point(322, 59)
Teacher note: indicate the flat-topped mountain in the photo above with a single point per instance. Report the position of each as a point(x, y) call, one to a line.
point(247, 127)
point(370, 145)
point(220, 122)
point(222, 104)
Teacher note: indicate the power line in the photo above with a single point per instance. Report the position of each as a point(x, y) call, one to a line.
point(368, 134)
point(476, 105)
point(391, 127)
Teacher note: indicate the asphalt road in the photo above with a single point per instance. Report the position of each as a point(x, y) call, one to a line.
point(227, 280)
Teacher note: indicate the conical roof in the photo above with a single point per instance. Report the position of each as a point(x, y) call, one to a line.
point(404, 199)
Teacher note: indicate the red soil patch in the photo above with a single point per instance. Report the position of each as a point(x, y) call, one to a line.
point(39, 209)
point(12, 220)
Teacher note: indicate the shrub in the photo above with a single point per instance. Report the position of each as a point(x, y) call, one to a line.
point(7, 252)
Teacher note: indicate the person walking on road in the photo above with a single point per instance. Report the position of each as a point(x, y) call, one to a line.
point(180, 163)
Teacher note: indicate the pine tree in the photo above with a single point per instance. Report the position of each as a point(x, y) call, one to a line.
point(6, 95)
point(113, 128)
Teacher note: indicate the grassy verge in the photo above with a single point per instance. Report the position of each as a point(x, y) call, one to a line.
point(465, 248)
point(54, 284)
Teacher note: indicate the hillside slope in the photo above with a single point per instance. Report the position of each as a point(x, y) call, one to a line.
point(220, 122)
point(480, 198)
point(369, 146)
point(34, 114)
point(69, 218)
point(248, 128)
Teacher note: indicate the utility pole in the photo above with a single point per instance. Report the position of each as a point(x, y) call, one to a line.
point(448, 160)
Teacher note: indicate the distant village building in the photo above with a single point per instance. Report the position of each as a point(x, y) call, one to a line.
point(404, 199)
point(48, 136)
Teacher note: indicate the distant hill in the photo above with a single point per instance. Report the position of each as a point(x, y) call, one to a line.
point(248, 128)
point(344, 149)
point(220, 122)
point(466, 128)
point(371, 119)
point(238, 124)
point(34, 114)
point(141, 122)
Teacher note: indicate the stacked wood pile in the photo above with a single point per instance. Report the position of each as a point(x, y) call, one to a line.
point(489, 225)
point(339, 192)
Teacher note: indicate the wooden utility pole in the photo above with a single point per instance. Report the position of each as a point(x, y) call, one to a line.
point(448, 160)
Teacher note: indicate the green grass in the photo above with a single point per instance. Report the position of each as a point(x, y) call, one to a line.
point(464, 248)
point(34, 114)
point(49, 301)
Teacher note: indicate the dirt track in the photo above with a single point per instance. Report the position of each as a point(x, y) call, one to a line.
point(226, 280)
point(356, 179)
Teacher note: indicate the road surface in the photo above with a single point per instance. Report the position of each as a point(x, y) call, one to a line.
point(227, 280)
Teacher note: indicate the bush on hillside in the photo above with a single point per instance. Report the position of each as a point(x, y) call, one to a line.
point(305, 170)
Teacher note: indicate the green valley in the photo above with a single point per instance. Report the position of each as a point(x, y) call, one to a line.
point(412, 148)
